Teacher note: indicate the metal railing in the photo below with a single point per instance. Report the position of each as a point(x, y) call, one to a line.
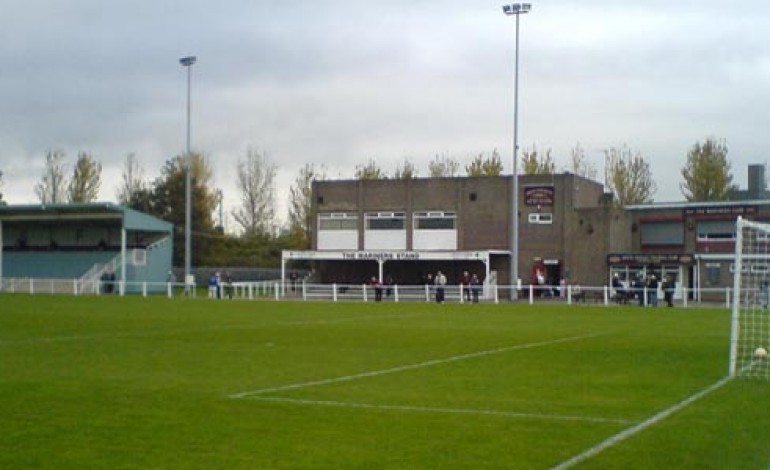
point(277, 290)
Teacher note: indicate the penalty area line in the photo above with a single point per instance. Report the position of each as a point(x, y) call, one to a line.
point(419, 365)
point(432, 409)
point(621, 436)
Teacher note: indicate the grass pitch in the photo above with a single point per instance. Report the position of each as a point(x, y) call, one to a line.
point(109, 382)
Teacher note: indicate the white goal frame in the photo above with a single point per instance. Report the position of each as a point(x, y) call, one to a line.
point(750, 325)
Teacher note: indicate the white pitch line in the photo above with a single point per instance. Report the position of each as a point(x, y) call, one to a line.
point(639, 427)
point(419, 365)
point(430, 409)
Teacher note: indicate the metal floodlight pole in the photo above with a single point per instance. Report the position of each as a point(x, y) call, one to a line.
point(188, 62)
point(516, 9)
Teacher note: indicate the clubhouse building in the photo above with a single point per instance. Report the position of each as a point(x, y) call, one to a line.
point(569, 231)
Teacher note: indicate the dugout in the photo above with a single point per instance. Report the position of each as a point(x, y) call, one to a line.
point(83, 242)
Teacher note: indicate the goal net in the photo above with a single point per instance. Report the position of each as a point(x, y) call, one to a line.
point(750, 328)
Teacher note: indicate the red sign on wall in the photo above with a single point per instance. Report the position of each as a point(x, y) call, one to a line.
point(539, 195)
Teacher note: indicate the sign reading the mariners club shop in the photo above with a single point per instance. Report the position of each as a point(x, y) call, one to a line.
point(541, 195)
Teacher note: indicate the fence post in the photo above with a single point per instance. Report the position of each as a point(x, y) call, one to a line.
point(606, 295)
point(427, 293)
point(277, 291)
point(395, 292)
point(569, 294)
point(363, 288)
point(684, 297)
point(334, 291)
point(531, 294)
point(144, 288)
point(496, 295)
point(727, 297)
point(462, 294)
point(169, 291)
point(75, 286)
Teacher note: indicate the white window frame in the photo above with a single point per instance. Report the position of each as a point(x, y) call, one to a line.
point(341, 216)
point(438, 215)
point(369, 216)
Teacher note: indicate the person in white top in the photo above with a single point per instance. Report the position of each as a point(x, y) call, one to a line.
point(440, 281)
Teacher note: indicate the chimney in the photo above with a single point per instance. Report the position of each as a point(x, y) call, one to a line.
point(756, 181)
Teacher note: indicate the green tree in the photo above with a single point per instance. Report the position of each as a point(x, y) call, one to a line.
point(168, 203)
point(707, 174)
point(443, 166)
point(370, 171)
point(629, 176)
point(86, 179)
point(535, 163)
point(485, 166)
point(52, 188)
point(256, 187)
point(406, 171)
point(301, 216)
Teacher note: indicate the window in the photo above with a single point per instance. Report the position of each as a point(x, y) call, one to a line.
point(385, 221)
point(337, 221)
point(541, 218)
point(713, 273)
point(434, 220)
point(716, 230)
point(662, 233)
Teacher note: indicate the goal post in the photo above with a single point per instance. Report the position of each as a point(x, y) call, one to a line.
point(750, 325)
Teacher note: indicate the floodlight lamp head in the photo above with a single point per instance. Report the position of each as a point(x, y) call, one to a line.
point(187, 61)
point(516, 8)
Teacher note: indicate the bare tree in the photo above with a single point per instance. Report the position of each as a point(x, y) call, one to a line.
point(301, 216)
point(52, 188)
point(581, 166)
point(443, 165)
point(256, 185)
point(630, 178)
point(86, 179)
point(132, 181)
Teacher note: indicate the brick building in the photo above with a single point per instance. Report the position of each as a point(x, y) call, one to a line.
point(568, 228)
point(406, 229)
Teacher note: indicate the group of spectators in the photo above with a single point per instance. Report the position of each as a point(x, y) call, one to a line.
point(219, 287)
point(470, 283)
point(642, 288)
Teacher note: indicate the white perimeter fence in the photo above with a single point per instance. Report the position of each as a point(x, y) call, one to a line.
point(276, 290)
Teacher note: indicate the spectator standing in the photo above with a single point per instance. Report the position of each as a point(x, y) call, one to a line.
point(653, 291)
point(377, 285)
point(440, 281)
point(466, 286)
point(668, 290)
point(475, 288)
point(228, 286)
point(213, 286)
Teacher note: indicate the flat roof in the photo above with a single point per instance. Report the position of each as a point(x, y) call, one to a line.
point(130, 219)
point(695, 205)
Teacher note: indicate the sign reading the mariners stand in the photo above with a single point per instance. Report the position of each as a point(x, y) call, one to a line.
point(538, 195)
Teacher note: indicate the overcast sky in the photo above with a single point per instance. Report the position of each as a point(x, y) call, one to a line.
point(340, 82)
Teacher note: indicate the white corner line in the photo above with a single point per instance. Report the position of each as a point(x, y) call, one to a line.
point(442, 410)
point(640, 427)
point(419, 365)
